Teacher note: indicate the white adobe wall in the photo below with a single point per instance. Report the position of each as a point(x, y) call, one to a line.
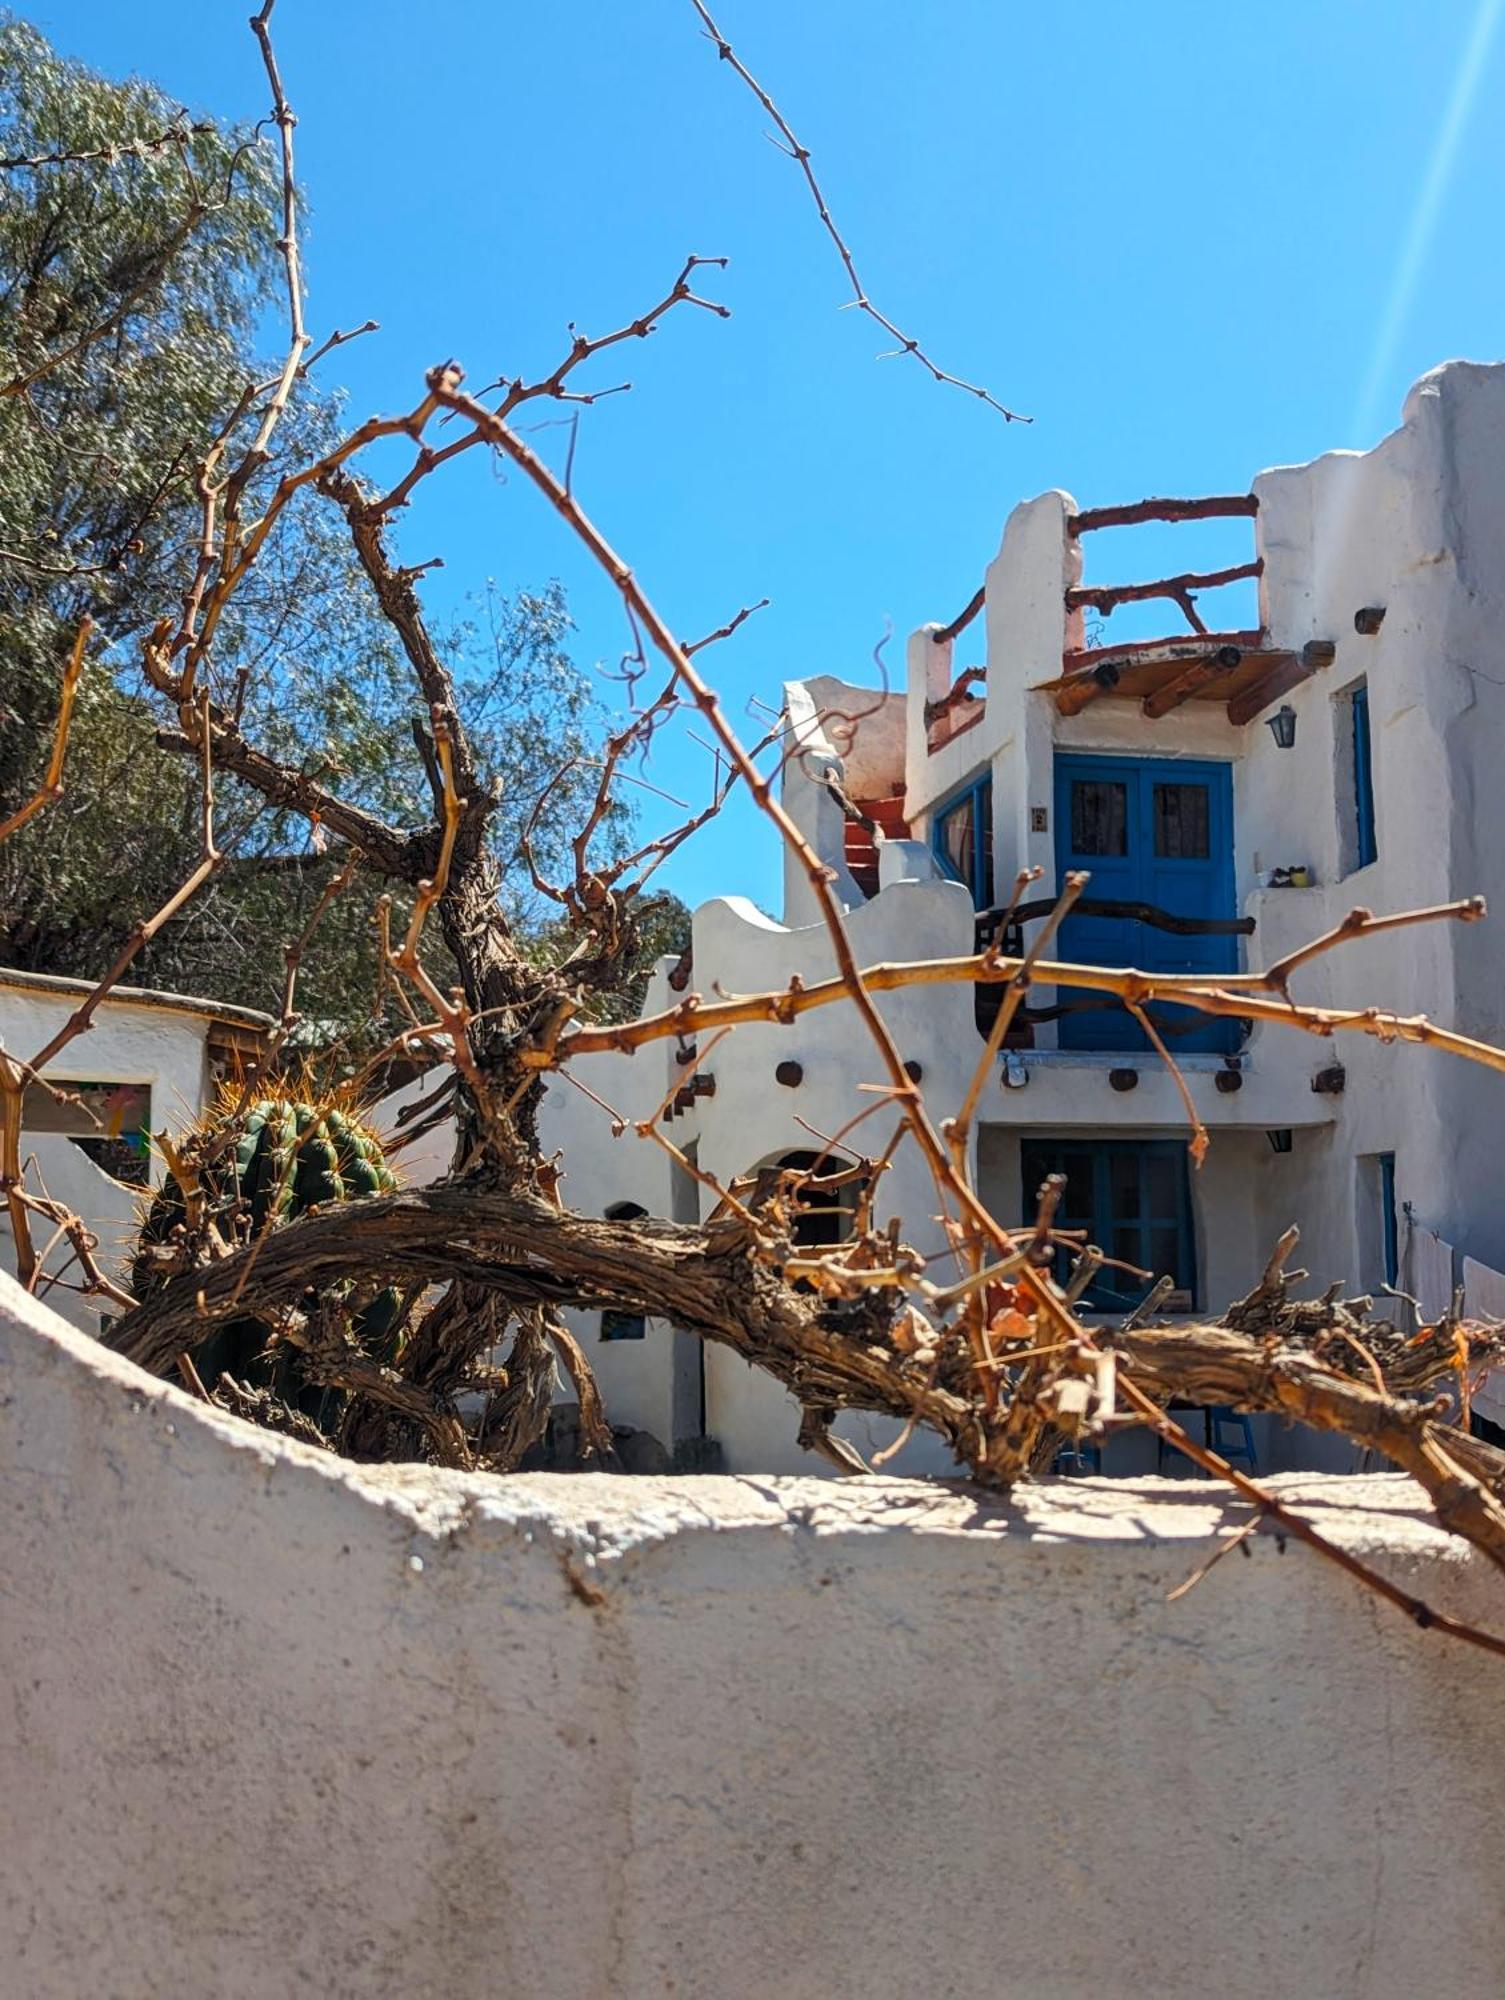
point(158, 1046)
point(279, 1724)
point(1417, 526)
point(110, 1209)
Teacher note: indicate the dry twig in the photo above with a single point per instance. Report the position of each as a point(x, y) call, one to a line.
point(800, 154)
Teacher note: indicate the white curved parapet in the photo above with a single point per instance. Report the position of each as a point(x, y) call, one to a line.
point(278, 1724)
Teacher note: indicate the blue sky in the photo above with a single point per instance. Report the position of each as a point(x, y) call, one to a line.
point(1191, 239)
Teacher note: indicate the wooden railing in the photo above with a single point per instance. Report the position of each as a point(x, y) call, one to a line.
point(1209, 508)
point(988, 995)
point(1179, 590)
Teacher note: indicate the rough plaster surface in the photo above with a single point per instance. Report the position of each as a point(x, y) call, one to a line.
point(277, 1725)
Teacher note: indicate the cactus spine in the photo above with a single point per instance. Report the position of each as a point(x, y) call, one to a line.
point(258, 1166)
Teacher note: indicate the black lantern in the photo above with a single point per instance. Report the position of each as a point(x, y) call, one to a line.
point(1282, 726)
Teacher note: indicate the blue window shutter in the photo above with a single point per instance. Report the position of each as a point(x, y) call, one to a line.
point(1387, 1218)
point(1363, 778)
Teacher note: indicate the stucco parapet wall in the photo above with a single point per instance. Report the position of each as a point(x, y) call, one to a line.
point(56, 984)
point(277, 1723)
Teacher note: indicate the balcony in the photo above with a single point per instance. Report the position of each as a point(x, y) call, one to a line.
point(1008, 928)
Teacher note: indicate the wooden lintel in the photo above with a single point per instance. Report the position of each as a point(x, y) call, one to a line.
point(1287, 671)
point(1215, 507)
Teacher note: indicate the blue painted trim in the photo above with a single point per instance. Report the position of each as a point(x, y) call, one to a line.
point(1116, 1291)
point(1387, 1218)
point(980, 793)
point(1363, 777)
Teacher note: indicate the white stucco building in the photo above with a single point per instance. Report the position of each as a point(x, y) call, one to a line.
point(149, 1062)
point(1034, 741)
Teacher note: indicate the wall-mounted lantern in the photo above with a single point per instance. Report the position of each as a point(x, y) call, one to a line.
point(1282, 726)
point(1015, 1075)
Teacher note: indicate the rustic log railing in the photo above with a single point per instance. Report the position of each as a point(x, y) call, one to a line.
point(1004, 927)
point(959, 692)
point(941, 720)
point(1212, 507)
point(1112, 906)
point(963, 618)
point(1179, 590)
point(1106, 597)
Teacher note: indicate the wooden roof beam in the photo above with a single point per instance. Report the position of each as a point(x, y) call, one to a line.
point(1074, 695)
point(1288, 672)
point(1191, 680)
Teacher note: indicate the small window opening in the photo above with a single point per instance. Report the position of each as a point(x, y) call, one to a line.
point(109, 1122)
point(1129, 1197)
point(1378, 1224)
point(1360, 841)
point(617, 1325)
point(962, 837)
point(821, 1195)
point(1390, 1233)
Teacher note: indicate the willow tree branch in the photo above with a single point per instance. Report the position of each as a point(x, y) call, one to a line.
point(118, 313)
point(51, 788)
point(398, 855)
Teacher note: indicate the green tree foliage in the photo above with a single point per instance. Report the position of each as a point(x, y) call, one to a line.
point(137, 261)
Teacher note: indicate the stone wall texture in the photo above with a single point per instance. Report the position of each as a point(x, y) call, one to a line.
point(275, 1725)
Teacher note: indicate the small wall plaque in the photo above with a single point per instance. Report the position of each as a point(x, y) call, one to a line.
point(1039, 819)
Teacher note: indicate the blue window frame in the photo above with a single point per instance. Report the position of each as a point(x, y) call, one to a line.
point(961, 835)
point(1155, 830)
point(1388, 1227)
point(1132, 1198)
point(1366, 846)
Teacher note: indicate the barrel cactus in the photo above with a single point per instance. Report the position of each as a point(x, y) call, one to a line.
point(254, 1165)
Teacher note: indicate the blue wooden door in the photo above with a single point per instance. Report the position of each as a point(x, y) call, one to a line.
point(1147, 830)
